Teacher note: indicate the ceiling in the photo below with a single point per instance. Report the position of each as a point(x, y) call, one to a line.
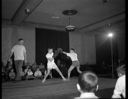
point(49, 12)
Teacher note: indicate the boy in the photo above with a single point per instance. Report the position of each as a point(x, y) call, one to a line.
point(12, 74)
point(120, 88)
point(38, 73)
point(75, 62)
point(51, 65)
point(87, 85)
point(29, 75)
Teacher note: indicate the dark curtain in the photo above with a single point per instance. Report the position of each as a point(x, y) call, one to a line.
point(46, 38)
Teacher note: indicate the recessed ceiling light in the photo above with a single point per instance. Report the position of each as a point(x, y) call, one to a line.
point(55, 17)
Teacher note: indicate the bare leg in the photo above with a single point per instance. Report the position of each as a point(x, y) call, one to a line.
point(57, 69)
point(70, 70)
point(78, 69)
point(48, 72)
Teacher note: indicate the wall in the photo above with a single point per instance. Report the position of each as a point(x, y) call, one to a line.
point(84, 45)
point(10, 35)
point(83, 42)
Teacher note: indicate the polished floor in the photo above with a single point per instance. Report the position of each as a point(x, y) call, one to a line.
point(52, 89)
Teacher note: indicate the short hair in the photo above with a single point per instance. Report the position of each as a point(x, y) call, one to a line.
point(59, 50)
point(20, 39)
point(121, 69)
point(72, 49)
point(50, 48)
point(88, 81)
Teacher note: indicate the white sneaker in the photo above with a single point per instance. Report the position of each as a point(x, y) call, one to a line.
point(43, 81)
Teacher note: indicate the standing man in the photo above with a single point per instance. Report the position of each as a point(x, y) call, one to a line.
point(19, 52)
point(75, 62)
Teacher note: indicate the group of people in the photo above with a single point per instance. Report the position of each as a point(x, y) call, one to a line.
point(87, 81)
point(52, 65)
point(30, 71)
point(88, 85)
point(19, 52)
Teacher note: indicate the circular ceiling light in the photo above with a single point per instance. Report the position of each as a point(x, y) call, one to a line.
point(69, 13)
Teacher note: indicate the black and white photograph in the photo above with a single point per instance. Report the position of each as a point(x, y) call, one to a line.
point(63, 49)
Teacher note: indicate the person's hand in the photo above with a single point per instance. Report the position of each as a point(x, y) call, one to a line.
point(64, 52)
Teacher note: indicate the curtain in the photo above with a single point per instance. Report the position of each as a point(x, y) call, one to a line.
point(46, 38)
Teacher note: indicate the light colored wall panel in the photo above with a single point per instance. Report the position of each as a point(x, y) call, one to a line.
point(10, 35)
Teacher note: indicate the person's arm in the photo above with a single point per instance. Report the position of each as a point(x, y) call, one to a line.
point(25, 55)
point(64, 52)
point(11, 53)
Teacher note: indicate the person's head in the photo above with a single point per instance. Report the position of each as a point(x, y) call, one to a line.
point(50, 50)
point(12, 70)
point(60, 50)
point(37, 69)
point(72, 50)
point(21, 41)
point(87, 82)
point(121, 70)
point(29, 69)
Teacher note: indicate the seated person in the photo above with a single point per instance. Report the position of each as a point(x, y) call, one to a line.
point(8, 68)
point(87, 85)
point(34, 67)
point(3, 73)
point(12, 74)
point(120, 87)
point(42, 69)
point(38, 73)
point(29, 74)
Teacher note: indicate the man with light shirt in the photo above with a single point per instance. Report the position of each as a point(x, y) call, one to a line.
point(75, 62)
point(19, 52)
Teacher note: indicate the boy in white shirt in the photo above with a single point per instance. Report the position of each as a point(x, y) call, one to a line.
point(51, 65)
point(75, 62)
point(120, 87)
point(29, 74)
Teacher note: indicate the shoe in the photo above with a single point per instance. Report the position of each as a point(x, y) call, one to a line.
point(68, 78)
point(43, 81)
point(64, 79)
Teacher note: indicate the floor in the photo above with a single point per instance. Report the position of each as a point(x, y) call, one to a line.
point(52, 89)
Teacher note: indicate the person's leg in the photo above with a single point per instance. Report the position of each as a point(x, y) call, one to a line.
point(78, 69)
point(17, 70)
point(70, 70)
point(20, 68)
point(48, 72)
point(77, 64)
point(57, 69)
